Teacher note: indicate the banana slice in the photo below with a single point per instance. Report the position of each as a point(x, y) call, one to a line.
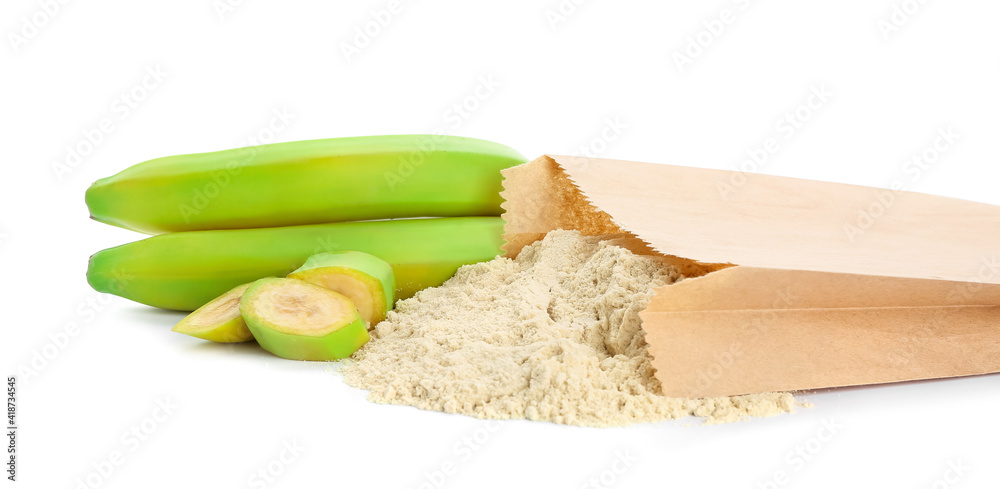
point(219, 320)
point(365, 279)
point(301, 321)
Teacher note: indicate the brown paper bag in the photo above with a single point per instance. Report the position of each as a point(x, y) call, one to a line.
point(799, 284)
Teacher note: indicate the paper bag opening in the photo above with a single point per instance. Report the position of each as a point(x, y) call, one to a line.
point(815, 301)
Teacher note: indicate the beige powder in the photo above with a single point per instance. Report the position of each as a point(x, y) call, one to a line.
point(553, 335)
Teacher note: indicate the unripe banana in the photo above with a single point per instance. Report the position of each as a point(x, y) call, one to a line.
point(219, 320)
point(307, 182)
point(183, 271)
point(302, 321)
point(366, 280)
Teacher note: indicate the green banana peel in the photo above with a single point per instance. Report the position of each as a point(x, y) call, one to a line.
point(307, 182)
point(183, 271)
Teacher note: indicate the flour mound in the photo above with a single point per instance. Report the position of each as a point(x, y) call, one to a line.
point(553, 335)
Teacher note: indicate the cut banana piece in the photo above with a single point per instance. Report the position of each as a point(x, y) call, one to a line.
point(302, 321)
point(219, 320)
point(365, 279)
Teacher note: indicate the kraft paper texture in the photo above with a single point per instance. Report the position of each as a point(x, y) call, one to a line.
point(797, 285)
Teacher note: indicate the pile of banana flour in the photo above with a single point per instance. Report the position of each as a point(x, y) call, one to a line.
point(552, 335)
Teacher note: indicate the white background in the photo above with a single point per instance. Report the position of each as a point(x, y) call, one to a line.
point(561, 83)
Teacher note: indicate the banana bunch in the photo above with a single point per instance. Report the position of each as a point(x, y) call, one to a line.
point(235, 216)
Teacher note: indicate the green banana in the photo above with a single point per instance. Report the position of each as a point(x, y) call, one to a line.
point(183, 271)
point(366, 280)
point(307, 182)
point(218, 320)
point(298, 320)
